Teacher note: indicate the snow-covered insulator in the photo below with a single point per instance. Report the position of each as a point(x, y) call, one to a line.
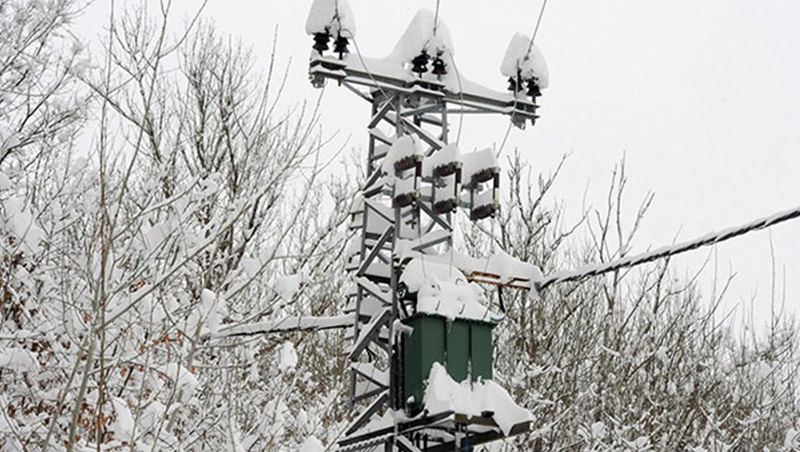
point(404, 154)
point(405, 294)
point(420, 63)
point(447, 169)
point(484, 175)
point(406, 191)
point(447, 193)
point(439, 67)
point(485, 211)
point(407, 162)
point(514, 84)
point(442, 163)
point(340, 46)
point(479, 167)
point(484, 204)
point(533, 88)
point(446, 205)
point(321, 41)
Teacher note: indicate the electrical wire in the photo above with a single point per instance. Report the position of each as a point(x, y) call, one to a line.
point(527, 55)
point(460, 95)
point(436, 17)
point(706, 240)
point(536, 29)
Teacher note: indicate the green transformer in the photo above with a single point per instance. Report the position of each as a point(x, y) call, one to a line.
point(463, 347)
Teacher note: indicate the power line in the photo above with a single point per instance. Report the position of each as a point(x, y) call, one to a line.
point(436, 17)
point(706, 240)
point(536, 29)
point(527, 54)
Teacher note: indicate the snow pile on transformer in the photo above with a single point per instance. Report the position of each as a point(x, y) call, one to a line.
point(473, 399)
point(524, 59)
point(332, 16)
point(499, 267)
point(444, 290)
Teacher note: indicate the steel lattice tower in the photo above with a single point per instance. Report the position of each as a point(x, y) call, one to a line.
point(398, 203)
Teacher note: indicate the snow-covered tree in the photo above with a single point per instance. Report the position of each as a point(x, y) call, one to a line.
point(162, 192)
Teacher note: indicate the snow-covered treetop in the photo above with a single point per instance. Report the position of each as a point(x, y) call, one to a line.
point(423, 33)
point(524, 57)
point(333, 16)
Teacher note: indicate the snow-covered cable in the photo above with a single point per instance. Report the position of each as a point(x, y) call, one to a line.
point(667, 251)
point(286, 325)
point(508, 132)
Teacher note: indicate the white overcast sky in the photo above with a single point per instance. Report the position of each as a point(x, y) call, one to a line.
point(703, 99)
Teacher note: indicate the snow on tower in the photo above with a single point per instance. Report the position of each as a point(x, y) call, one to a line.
point(422, 327)
point(524, 63)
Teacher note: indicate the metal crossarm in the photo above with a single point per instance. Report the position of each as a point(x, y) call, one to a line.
point(503, 103)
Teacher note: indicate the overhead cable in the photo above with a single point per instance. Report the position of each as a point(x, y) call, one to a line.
point(668, 251)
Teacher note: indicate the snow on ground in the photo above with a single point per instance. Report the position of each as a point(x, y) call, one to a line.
point(444, 394)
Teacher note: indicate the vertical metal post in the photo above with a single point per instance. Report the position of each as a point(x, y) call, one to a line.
point(446, 140)
point(396, 359)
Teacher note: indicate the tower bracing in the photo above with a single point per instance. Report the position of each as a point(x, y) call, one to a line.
point(416, 320)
